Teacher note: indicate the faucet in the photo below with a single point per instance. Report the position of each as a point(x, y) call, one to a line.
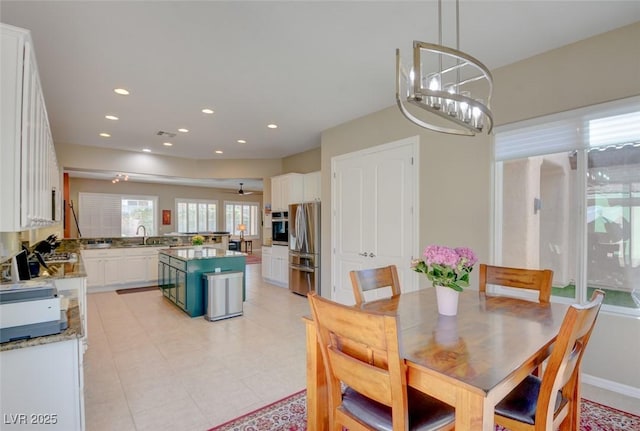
point(144, 233)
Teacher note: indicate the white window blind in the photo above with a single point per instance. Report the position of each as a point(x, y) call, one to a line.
point(100, 215)
point(613, 123)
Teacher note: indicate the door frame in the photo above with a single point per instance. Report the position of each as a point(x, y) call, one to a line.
point(414, 142)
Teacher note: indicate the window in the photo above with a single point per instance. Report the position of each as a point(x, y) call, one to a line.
point(245, 213)
point(570, 201)
point(113, 215)
point(196, 215)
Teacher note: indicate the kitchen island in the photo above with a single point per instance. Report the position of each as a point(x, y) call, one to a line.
point(180, 272)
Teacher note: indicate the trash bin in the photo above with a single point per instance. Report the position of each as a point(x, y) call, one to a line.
point(222, 294)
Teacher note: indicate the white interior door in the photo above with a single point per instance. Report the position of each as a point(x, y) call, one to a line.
point(373, 199)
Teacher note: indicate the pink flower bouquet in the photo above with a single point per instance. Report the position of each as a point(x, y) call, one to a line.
point(446, 266)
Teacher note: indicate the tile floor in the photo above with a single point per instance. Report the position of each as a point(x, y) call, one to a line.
point(151, 367)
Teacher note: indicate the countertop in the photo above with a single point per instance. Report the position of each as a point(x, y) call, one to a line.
point(190, 253)
point(74, 330)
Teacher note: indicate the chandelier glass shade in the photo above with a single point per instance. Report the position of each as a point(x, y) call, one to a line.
point(447, 83)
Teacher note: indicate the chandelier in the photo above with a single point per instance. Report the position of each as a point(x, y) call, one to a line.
point(448, 83)
point(120, 177)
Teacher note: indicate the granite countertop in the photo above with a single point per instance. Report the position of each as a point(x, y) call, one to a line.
point(190, 253)
point(74, 330)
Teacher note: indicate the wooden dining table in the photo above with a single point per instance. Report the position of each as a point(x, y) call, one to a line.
point(470, 361)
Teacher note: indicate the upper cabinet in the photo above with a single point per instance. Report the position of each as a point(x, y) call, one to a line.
point(286, 189)
point(30, 179)
point(311, 191)
point(294, 188)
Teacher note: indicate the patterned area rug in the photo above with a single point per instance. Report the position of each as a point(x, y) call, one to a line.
point(290, 414)
point(253, 258)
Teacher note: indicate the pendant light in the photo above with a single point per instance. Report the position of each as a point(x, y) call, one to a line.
point(447, 83)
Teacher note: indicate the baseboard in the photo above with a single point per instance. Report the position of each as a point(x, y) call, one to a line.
point(622, 389)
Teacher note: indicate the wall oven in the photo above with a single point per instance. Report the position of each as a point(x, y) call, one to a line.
point(280, 228)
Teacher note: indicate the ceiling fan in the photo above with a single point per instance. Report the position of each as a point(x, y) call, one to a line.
point(242, 192)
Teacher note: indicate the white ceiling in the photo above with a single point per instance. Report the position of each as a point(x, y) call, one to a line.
point(306, 66)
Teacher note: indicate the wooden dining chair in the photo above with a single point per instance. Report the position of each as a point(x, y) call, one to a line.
point(542, 404)
point(519, 278)
point(376, 278)
point(360, 350)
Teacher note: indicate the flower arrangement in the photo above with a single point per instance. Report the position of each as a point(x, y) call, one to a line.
point(446, 266)
point(197, 240)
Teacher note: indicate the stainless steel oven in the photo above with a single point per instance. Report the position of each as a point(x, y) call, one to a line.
point(280, 228)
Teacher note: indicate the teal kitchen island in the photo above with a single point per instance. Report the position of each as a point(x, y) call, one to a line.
point(180, 272)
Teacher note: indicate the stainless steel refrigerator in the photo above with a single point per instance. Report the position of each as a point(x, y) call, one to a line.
point(304, 247)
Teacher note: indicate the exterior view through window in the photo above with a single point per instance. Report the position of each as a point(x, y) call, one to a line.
point(576, 212)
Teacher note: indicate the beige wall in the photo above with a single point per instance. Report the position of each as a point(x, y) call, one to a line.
point(166, 198)
point(455, 181)
point(302, 163)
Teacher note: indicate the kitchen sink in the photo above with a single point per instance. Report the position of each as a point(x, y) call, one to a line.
point(98, 245)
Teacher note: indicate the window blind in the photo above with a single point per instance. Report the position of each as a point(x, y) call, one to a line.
point(612, 123)
point(100, 214)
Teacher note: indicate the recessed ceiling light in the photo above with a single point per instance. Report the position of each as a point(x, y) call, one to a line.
point(207, 111)
point(241, 141)
point(146, 150)
point(183, 130)
point(121, 91)
point(272, 126)
point(110, 117)
point(105, 135)
point(167, 144)
point(218, 151)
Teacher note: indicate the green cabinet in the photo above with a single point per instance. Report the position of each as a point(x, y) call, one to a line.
point(180, 275)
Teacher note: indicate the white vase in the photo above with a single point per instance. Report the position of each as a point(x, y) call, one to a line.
point(447, 299)
point(197, 247)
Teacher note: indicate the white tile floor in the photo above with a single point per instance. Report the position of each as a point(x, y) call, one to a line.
point(151, 367)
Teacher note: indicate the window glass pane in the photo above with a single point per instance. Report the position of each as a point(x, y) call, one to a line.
point(202, 217)
point(246, 213)
point(196, 215)
point(135, 213)
point(181, 213)
point(538, 217)
point(211, 217)
point(613, 224)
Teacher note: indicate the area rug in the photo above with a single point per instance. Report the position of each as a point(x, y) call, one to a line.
point(136, 290)
point(290, 414)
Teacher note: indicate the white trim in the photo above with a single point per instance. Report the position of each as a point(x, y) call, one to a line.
point(610, 385)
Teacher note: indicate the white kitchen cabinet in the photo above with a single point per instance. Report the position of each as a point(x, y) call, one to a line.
point(311, 187)
point(275, 267)
point(30, 179)
point(119, 268)
point(266, 263)
point(285, 190)
point(43, 387)
point(76, 288)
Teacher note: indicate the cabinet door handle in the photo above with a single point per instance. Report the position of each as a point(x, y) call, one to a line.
point(372, 255)
point(363, 254)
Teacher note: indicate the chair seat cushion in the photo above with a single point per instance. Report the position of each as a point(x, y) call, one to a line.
point(425, 412)
point(521, 403)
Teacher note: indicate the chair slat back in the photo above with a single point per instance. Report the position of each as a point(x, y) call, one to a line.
point(519, 278)
point(563, 368)
point(360, 348)
point(374, 278)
